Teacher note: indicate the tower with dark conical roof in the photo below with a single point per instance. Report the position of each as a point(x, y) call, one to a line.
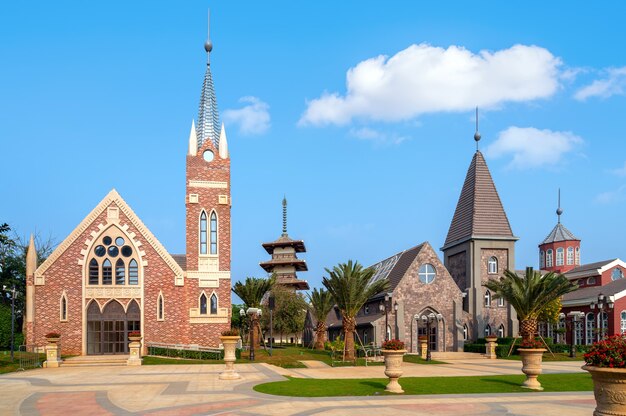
point(285, 262)
point(480, 245)
point(560, 250)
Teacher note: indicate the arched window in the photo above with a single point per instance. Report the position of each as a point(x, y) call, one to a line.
point(63, 311)
point(107, 272)
point(492, 265)
point(94, 271)
point(542, 259)
point(570, 256)
point(203, 231)
point(577, 258)
point(203, 304)
point(500, 301)
point(501, 331)
point(465, 332)
point(427, 273)
point(589, 326)
point(487, 299)
point(213, 233)
point(617, 274)
point(133, 273)
point(549, 258)
point(213, 304)
point(120, 272)
point(622, 325)
point(559, 256)
point(488, 330)
point(604, 325)
point(160, 312)
point(591, 280)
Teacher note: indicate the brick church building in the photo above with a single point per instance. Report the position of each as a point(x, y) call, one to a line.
point(111, 275)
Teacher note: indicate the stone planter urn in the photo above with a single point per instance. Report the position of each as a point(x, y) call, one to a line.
point(230, 344)
point(393, 369)
point(531, 366)
point(53, 351)
point(423, 346)
point(134, 348)
point(609, 389)
point(490, 347)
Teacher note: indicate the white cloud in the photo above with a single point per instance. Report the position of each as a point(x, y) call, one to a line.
point(254, 118)
point(531, 147)
point(620, 171)
point(424, 79)
point(366, 133)
point(611, 196)
point(613, 84)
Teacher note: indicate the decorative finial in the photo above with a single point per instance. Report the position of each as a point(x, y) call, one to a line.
point(477, 134)
point(284, 215)
point(208, 45)
point(559, 211)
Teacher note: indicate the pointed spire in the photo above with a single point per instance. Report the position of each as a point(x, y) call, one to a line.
point(477, 134)
point(193, 140)
point(284, 215)
point(208, 116)
point(31, 257)
point(223, 145)
point(559, 211)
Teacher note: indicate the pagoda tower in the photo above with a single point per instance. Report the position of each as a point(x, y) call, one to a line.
point(560, 251)
point(285, 262)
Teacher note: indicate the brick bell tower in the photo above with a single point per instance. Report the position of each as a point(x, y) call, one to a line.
point(208, 207)
point(560, 251)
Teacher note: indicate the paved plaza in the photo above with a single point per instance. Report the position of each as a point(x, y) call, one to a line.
point(185, 390)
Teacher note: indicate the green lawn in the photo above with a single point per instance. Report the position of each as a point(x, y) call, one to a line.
point(558, 356)
point(8, 366)
point(416, 359)
point(300, 387)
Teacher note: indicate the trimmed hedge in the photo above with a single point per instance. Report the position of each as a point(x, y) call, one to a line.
point(502, 350)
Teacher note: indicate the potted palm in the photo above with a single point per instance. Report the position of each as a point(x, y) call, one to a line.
point(229, 339)
point(393, 350)
point(529, 295)
point(606, 362)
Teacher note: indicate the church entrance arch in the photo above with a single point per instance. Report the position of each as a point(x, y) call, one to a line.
point(422, 329)
point(107, 331)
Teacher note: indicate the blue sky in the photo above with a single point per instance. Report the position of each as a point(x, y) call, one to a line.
point(361, 113)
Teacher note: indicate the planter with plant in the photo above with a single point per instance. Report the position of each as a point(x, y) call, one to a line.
point(134, 336)
point(230, 338)
point(606, 362)
point(531, 352)
point(393, 350)
point(53, 337)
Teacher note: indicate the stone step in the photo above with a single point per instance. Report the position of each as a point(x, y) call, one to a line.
point(95, 360)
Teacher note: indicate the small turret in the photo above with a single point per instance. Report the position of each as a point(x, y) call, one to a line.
point(223, 144)
point(193, 140)
point(31, 257)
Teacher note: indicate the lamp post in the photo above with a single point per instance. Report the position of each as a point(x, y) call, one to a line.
point(254, 314)
point(271, 304)
point(395, 313)
point(242, 315)
point(604, 305)
point(428, 320)
point(573, 323)
point(384, 307)
point(12, 320)
point(416, 318)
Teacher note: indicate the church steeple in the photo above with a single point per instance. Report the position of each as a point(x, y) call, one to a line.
point(208, 116)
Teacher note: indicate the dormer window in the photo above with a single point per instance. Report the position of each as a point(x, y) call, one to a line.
point(570, 256)
point(549, 258)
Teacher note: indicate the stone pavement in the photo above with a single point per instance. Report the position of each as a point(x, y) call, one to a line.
point(185, 390)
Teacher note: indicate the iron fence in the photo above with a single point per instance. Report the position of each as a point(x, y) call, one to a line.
point(184, 351)
point(30, 356)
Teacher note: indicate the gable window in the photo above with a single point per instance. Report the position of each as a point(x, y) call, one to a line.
point(107, 273)
point(213, 233)
point(492, 265)
point(570, 256)
point(559, 256)
point(487, 299)
point(427, 273)
point(120, 272)
point(203, 231)
point(577, 258)
point(116, 263)
point(160, 313)
point(617, 274)
point(203, 304)
point(213, 304)
point(63, 311)
point(549, 258)
point(542, 259)
point(94, 272)
point(133, 273)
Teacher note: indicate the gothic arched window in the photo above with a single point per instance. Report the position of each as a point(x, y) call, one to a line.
point(203, 304)
point(487, 299)
point(501, 331)
point(63, 311)
point(213, 304)
point(120, 272)
point(160, 312)
point(94, 272)
point(133, 273)
point(213, 233)
point(203, 232)
point(107, 272)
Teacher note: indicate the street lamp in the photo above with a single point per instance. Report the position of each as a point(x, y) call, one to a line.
point(242, 315)
point(254, 313)
point(574, 323)
point(12, 319)
point(384, 307)
point(395, 313)
point(604, 305)
point(428, 320)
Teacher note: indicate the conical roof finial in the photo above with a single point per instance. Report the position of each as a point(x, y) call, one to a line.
point(559, 211)
point(284, 215)
point(477, 134)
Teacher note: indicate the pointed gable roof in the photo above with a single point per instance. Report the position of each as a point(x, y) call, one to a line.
point(208, 127)
point(559, 233)
point(479, 212)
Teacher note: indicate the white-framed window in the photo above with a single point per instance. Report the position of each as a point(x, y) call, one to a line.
point(492, 265)
point(622, 322)
point(213, 232)
point(487, 299)
point(559, 256)
point(570, 256)
point(488, 330)
point(427, 273)
point(549, 258)
point(542, 259)
point(604, 325)
point(577, 257)
point(579, 334)
point(500, 301)
point(203, 233)
point(501, 331)
point(589, 325)
point(617, 274)
point(160, 307)
point(63, 307)
point(465, 332)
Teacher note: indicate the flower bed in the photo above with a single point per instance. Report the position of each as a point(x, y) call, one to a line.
point(608, 353)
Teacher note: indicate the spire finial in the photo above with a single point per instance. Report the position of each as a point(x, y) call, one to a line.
point(559, 211)
point(208, 45)
point(284, 215)
point(477, 134)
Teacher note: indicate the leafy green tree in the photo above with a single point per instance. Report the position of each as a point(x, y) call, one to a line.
point(251, 292)
point(322, 303)
point(529, 295)
point(289, 311)
point(351, 286)
point(550, 314)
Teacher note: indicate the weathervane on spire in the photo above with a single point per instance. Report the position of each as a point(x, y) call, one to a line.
point(284, 215)
point(477, 134)
point(208, 45)
point(559, 211)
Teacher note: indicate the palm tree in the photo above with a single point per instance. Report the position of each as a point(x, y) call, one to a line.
point(251, 292)
point(351, 286)
point(529, 295)
point(321, 304)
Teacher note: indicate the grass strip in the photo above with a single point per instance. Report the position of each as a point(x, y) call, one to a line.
point(300, 387)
